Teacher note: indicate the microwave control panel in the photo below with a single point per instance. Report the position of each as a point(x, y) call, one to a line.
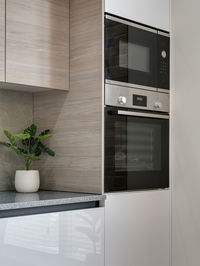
point(163, 61)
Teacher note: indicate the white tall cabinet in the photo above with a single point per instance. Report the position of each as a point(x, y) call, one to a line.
point(137, 228)
point(72, 238)
point(155, 13)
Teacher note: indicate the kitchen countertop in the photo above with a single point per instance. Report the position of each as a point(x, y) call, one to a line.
point(44, 200)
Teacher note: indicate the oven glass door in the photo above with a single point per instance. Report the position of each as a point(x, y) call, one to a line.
point(136, 152)
point(130, 54)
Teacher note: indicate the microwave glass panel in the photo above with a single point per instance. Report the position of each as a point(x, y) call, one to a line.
point(134, 57)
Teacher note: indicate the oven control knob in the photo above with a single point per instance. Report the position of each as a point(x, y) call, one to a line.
point(122, 100)
point(157, 105)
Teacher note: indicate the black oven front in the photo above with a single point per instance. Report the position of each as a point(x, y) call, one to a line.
point(136, 150)
point(136, 55)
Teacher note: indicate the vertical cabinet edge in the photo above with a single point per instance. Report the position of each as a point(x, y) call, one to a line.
point(2, 40)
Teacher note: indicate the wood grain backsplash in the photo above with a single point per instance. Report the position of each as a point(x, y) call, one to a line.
point(16, 113)
point(75, 117)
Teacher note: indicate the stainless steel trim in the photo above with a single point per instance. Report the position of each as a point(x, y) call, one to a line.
point(130, 85)
point(131, 24)
point(163, 33)
point(113, 92)
point(120, 112)
point(163, 90)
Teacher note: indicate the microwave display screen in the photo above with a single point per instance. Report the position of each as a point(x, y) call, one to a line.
point(134, 56)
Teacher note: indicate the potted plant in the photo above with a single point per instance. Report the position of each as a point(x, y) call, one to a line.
point(30, 147)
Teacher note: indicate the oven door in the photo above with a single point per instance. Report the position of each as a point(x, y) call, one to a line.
point(136, 150)
point(130, 52)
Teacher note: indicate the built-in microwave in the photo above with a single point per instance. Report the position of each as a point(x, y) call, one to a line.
point(136, 55)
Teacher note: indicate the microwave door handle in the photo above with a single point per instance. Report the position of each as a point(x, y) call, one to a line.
point(120, 112)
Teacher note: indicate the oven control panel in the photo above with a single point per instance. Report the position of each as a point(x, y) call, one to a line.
point(119, 96)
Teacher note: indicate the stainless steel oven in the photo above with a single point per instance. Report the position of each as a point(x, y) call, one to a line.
point(136, 139)
point(136, 55)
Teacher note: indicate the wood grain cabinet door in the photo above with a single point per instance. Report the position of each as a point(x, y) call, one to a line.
point(2, 40)
point(37, 43)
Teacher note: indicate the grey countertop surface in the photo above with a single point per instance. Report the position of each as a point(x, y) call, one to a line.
point(13, 200)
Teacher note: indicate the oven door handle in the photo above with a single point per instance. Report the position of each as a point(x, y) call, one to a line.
point(150, 115)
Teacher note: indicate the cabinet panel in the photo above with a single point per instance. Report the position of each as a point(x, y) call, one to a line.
point(73, 238)
point(37, 43)
point(2, 40)
point(137, 229)
point(76, 117)
point(155, 13)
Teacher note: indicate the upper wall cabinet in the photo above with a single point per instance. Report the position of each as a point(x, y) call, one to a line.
point(37, 43)
point(155, 13)
point(2, 40)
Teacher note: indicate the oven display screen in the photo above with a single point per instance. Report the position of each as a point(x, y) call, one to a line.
point(139, 100)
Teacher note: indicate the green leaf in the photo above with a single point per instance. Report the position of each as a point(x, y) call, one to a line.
point(10, 137)
point(41, 137)
point(25, 154)
point(45, 132)
point(31, 130)
point(50, 152)
point(38, 151)
point(25, 142)
point(34, 145)
point(18, 150)
point(34, 158)
point(46, 149)
point(5, 144)
point(22, 136)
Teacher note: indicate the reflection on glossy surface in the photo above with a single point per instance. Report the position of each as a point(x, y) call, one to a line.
point(73, 238)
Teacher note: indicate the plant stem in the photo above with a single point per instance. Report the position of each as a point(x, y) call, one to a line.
point(27, 160)
point(27, 164)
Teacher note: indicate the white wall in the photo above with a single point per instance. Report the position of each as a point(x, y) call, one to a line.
point(154, 13)
point(185, 146)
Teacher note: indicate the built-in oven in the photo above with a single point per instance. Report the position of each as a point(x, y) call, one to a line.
point(136, 139)
point(136, 55)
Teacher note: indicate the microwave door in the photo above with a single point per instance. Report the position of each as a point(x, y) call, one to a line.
point(130, 54)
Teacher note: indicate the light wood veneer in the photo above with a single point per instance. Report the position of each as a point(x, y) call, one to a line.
point(2, 40)
point(76, 116)
point(37, 43)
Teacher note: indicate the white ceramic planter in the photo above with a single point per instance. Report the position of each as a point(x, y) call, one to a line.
point(27, 181)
